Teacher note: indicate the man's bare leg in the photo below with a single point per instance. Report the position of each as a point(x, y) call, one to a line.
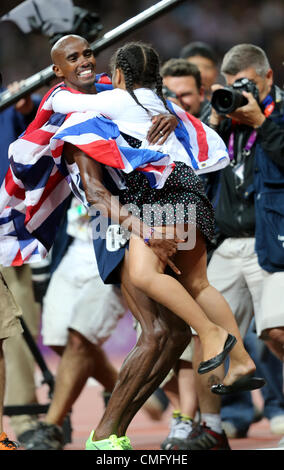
point(163, 339)
point(208, 401)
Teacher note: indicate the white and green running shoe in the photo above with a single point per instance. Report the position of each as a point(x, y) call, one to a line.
point(112, 443)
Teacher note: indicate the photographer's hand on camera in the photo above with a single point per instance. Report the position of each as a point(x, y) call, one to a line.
point(250, 114)
point(215, 118)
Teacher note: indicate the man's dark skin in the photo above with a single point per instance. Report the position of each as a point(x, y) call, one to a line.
point(164, 336)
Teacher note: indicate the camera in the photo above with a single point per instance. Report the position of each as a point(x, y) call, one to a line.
point(228, 99)
point(168, 93)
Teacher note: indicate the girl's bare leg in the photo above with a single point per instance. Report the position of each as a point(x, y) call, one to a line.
point(147, 274)
point(193, 266)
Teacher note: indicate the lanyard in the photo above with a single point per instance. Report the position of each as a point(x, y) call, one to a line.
point(269, 106)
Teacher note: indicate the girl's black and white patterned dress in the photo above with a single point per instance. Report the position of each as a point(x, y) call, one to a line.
point(182, 199)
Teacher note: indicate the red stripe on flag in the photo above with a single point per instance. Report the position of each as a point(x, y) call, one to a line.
point(39, 137)
point(41, 118)
point(105, 80)
point(57, 151)
point(201, 137)
point(149, 168)
point(104, 151)
point(12, 188)
point(18, 260)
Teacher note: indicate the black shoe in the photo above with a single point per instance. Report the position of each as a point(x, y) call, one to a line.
point(26, 436)
point(46, 437)
point(203, 438)
point(244, 384)
point(216, 361)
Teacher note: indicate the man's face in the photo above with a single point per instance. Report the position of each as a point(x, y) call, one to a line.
point(189, 97)
point(208, 70)
point(76, 64)
point(263, 83)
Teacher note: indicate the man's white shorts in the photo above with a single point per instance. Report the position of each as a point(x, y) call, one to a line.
point(77, 298)
point(271, 313)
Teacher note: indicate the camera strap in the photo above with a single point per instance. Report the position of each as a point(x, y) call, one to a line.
point(268, 104)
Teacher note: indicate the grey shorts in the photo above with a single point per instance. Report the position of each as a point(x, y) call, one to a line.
point(9, 311)
point(77, 298)
point(235, 272)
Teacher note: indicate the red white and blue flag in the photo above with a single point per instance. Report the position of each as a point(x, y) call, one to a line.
point(37, 185)
point(34, 193)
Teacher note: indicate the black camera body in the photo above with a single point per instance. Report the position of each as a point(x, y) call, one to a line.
point(228, 99)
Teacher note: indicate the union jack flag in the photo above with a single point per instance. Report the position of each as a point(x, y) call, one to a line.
point(34, 193)
point(37, 185)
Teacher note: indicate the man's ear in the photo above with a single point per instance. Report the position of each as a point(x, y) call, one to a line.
point(269, 76)
point(57, 71)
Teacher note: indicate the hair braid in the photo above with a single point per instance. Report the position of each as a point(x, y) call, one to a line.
point(140, 65)
point(159, 91)
point(154, 76)
point(131, 74)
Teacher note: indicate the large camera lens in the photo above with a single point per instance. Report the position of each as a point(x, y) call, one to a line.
point(226, 100)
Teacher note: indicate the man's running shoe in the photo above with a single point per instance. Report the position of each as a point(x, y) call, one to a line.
point(175, 419)
point(6, 444)
point(112, 443)
point(181, 427)
point(203, 438)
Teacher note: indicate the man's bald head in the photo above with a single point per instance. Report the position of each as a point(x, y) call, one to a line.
point(58, 49)
point(74, 62)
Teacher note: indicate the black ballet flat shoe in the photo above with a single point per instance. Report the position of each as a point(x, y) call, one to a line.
point(216, 361)
point(244, 384)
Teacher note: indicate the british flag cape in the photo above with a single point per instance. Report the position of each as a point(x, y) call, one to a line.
point(37, 185)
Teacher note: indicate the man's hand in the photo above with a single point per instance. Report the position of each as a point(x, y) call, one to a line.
point(250, 114)
point(24, 105)
point(163, 125)
point(165, 249)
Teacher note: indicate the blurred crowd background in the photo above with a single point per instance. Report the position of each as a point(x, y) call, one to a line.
point(218, 22)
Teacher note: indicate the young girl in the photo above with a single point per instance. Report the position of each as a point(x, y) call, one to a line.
point(131, 105)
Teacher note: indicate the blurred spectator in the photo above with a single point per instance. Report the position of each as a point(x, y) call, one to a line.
point(220, 24)
point(182, 82)
point(204, 57)
point(241, 267)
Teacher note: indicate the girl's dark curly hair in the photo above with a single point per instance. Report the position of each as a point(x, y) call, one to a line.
point(140, 65)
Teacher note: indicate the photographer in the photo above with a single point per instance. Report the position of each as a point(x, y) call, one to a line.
point(242, 268)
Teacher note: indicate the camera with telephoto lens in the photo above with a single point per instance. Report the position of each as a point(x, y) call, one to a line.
point(228, 99)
